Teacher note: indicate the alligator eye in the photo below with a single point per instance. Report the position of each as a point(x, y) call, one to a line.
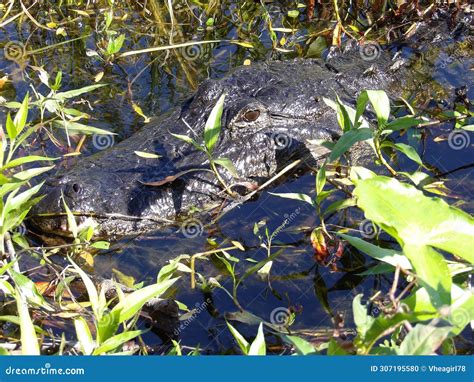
point(251, 115)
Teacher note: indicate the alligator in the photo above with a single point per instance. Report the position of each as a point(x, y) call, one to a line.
point(272, 111)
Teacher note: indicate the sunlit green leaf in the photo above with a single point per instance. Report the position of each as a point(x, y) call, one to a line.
point(228, 165)
point(381, 105)
point(212, 128)
point(28, 289)
point(241, 341)
point(409, 151)
point(419, 223)
point(29, 341)
point(301, 346)
point(79, 128)
point(348, 139)
point(133, 302)
point(116, 341)
point(425, 339)
point(146, 155)
point(294, 196)
point(258, 345)
point(78, 92)
point(84, 336)
point(91, 290)
point(388, 256)
point(21, 116)
point(32, 172)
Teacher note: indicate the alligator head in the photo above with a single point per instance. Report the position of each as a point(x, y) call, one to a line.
point(271, 110)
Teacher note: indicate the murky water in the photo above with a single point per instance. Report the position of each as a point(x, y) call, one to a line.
point(156, 82)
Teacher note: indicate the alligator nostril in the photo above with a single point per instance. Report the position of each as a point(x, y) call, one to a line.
point(72, 190)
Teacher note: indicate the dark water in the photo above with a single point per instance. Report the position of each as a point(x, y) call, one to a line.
point(156, 82)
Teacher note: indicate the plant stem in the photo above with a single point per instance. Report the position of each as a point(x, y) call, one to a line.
point(219, 178)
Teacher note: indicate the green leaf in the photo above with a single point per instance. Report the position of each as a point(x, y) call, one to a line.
point(100, 245)
point(362, 320)
point(79, 128)
point(258, 345)
point(409, 151)
point(425, 339)
point(339, 205)
point(27, 159)
point(29, 341)
point(415, 219)
point(388, 256)
point(118, 340)
point(115, 44)
point(71, 220)
point(228, 165)
point(352, 113)
point(21, 116)
point(321, 179)
point(432, 271)
point(189, 140)
point(343, 116)
point(381, 325)
point(77, 92)
point(293, 13)
point(17, 201)
point(241, 341)
point(133, 302)
point(419, 223)
point(467, 127)
point(334, 348)
point(348, 139)
point(107, 326)
point(146, 155)
point(11, 129)
point(212, 128)
point(294, 196)
point(84, 336)
point(361, 105)
point(91, 290)
point(301, 346)
point(381, 105)
point(31, 173)
point(57, 81)
point(403, 123)
point(27, 288)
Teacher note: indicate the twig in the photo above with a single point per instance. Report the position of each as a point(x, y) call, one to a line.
point(264, 185)
point(33, 20)
point(393, 290)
